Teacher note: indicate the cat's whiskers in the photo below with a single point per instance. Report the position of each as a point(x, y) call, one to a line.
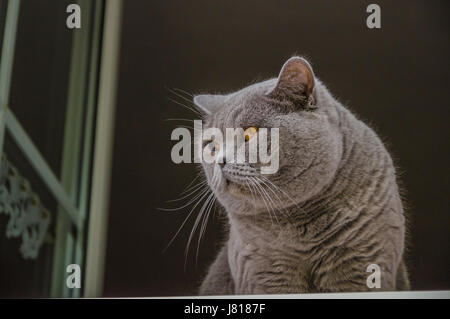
point(173, 91)
point(250, 189)
point(257, 192)
point(188, 127)
point(269, 198)
point(204, 225)
point(204, 213)
point(184, 92)
point(189, 107)
point(191, 191)
point(179, 119)
point(185, 106)
point(199, 217)
point(267, 204)
point(188, 187)
point(200, 190)
point(203, 191)
point(269, 187)
point(282, 192)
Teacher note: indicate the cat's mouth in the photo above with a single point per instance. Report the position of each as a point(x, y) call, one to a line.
point(238, 189)
point(238, 184)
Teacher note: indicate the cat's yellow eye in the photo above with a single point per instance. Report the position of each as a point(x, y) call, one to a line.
point(216, 146)
point(249, 132)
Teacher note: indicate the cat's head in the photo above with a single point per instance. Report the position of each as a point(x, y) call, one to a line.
point(309, 139)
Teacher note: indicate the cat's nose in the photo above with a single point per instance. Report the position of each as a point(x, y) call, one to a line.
point(221, 160)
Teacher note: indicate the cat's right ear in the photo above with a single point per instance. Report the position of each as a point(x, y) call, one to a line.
point(209, 103)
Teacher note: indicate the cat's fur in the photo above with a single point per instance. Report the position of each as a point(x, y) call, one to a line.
point(337, 203)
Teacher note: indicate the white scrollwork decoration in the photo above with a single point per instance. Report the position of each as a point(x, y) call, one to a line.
point(28, 218)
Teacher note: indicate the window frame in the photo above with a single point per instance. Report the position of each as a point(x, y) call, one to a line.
point(82, 192)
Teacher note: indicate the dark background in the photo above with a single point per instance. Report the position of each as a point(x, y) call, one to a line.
point(395, 78)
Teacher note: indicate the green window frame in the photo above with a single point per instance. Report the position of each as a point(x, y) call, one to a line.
point(89, 126)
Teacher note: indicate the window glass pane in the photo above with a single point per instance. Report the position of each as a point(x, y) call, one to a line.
point(40, 77)
point(20, 277)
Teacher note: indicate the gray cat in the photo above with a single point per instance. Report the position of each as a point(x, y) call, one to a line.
point(332, 209)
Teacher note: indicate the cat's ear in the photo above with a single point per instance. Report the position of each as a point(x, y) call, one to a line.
point(209, 103)
point(295, 82)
